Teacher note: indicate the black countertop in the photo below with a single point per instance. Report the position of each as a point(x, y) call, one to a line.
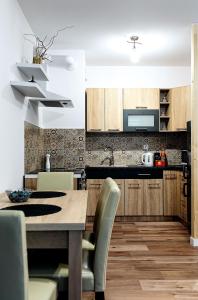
point(131, 171)
point(75, 170)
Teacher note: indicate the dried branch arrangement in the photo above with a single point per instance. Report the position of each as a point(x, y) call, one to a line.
point(43, 45)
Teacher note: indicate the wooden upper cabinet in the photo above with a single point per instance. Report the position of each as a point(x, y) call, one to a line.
point(113, 110)
point(95, 109)
point(141, 98)
point(104, 110)
point(180, 107)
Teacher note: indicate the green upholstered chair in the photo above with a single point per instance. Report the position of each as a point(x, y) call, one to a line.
point(95, 252)
point(51, 181)
point(14, 283)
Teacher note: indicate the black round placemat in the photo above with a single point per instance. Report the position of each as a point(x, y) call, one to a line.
point(33, 210)
point(47, 194)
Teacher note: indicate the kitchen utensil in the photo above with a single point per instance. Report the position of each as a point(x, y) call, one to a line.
point(157, 159)
point(147, 159)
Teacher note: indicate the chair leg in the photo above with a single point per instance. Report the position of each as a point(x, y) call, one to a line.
point(99, 296)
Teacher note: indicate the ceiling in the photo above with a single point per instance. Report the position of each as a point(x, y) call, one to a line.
point(101, 28)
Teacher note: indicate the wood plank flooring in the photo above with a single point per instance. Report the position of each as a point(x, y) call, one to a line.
point(151, 261)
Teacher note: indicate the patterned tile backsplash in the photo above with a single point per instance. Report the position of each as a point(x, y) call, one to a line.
point(72, 148)
point(34, 147)
point(66, 146)
point(128, 147)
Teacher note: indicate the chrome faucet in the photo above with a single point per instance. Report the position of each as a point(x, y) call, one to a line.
point(110, 158)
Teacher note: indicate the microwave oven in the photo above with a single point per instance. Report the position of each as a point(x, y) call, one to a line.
point(135, 120)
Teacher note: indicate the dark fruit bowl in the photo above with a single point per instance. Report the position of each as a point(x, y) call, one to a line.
point(19, 196)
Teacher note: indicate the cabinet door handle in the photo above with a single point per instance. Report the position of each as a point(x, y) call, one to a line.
point(141, 107)
point(154, 186)
point(95, 130)
point(170, 177)
point(181, 129)
point(141, 129)
point(95, 185)
point(134, 188)
point(113, 129)
point(142, 174)
point(185, 190)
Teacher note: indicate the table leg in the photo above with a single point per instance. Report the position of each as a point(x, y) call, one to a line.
point(75, 265)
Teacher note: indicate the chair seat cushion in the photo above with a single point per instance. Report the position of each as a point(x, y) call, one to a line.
point(40, 288)
point(88, 241)
point(87, 245)
point(60, 274)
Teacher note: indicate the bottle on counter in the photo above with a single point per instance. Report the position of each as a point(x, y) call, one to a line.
point(164, 158)
point(47, 162)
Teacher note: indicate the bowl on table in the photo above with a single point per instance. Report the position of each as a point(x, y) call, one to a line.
point(19, 196)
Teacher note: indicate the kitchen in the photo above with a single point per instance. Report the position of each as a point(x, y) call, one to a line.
point(75, 139)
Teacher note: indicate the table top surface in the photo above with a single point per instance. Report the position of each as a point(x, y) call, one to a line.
point(71, 217)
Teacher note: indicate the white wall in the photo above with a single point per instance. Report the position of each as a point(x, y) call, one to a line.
point(13, 110)
point(159, 77)
point(70, 84)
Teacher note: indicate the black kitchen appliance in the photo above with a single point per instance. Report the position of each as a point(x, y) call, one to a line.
point(187, 176)
point(184, 157)
point(141, 120)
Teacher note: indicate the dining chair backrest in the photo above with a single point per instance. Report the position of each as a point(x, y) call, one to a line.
point(109, 201)
point(51, 181)
point(13, 256)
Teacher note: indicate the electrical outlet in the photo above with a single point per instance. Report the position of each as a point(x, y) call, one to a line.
point(145, 147)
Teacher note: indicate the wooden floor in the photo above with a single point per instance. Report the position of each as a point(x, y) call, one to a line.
point(151, 261)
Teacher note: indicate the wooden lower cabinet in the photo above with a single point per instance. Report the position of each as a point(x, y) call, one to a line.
point(31, 183)
point(183, 199)
point(134, 197)
point(94, 188)
point(145, 197)
point(121, 184)
point(153, 197)
point(171, 193)
point(175, 203)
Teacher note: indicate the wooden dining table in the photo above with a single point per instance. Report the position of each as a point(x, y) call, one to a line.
point(59, 230)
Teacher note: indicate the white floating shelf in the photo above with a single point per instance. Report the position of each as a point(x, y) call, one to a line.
point(29, 89)
point(35, 70)
point(53, 100)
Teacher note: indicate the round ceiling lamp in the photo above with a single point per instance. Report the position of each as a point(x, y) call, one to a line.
point(70, 63)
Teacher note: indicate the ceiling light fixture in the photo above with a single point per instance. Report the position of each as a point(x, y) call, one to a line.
point(135, 54)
